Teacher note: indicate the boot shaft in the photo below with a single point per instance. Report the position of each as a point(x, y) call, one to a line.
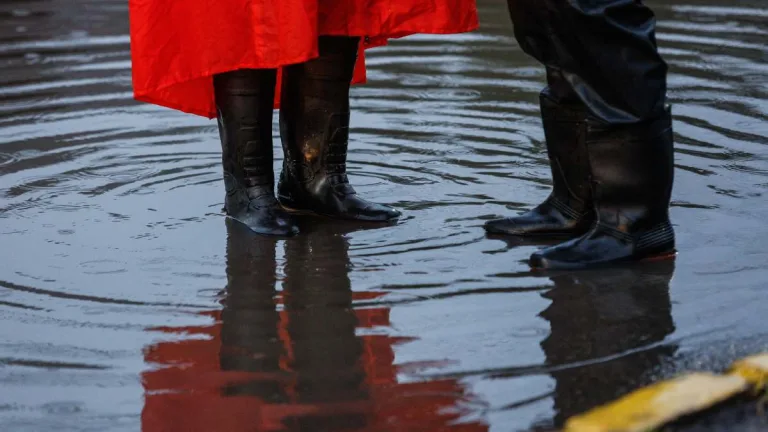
point(565, 131)
point(244, 100)
point(314, 127)
point(632, 171)
point(569, 209)
point(314, 117)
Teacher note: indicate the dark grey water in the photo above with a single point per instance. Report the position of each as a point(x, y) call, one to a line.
point(127, 302)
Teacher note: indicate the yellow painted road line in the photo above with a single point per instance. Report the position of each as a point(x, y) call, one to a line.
point(656, 405)
point(753, 369)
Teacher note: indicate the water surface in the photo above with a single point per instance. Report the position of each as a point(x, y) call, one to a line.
point(128, 302)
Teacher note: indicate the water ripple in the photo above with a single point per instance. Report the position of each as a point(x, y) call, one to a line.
point(122, 278)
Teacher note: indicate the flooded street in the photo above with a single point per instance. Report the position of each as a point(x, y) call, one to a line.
point(128, 302)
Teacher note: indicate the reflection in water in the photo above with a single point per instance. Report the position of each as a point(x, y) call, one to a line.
point(292, 359)
point(110, 224)
point(613, 321)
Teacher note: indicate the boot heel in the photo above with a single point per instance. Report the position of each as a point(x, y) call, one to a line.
point(656, 242)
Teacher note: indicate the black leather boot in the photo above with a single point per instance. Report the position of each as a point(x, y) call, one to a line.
point(632, 174)
point(314, 125)
point(568, 209)
point(244, 101)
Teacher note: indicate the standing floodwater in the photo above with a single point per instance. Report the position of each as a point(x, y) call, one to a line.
point(128, 302)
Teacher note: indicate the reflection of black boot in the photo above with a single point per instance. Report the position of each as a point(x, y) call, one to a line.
point(607, 329)
point(250, 320)
point(244, 100)
point(632, 173)
point(321, 325)
point(314, 124)
point(568, 209)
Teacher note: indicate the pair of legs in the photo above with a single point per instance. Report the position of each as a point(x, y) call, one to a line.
point(608, 132)
point(314, 128)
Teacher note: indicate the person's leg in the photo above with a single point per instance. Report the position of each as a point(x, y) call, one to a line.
point(568, 209)
point(606, 51)
point(314, 126)
point(244, 100)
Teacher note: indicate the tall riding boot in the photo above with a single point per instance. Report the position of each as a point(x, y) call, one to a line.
point(632, 174)
point(568, 209)
point(314, 125)
point(244, 101)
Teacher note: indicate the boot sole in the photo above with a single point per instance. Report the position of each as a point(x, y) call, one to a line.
point(328, 216)
point(287, 206)
point(662, 256)
point(262, 233)
point(537, 234)
point(514, 241)
point(534, 235)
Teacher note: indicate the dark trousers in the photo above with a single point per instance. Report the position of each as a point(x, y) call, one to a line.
point(601, 53)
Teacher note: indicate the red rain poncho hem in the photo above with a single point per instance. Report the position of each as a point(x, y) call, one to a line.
point(173, 65)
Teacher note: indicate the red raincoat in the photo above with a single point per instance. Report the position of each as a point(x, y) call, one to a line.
point(178, 45)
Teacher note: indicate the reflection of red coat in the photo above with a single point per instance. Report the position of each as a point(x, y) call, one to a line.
point(184, 389)
point(177, 45)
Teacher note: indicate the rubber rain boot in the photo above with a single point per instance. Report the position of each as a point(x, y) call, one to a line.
point(632, 175)
point(314, 126)
point(244, 100)
point(568, 209)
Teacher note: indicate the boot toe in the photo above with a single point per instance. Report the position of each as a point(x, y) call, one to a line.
point(538, 261)
point(564, 256)
point(595, 249)
point(546, 260)
point(267, 219)
point(276, 229)
point(372, 212)
point(392, 214)
point(500, 226)
point(378, 212)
